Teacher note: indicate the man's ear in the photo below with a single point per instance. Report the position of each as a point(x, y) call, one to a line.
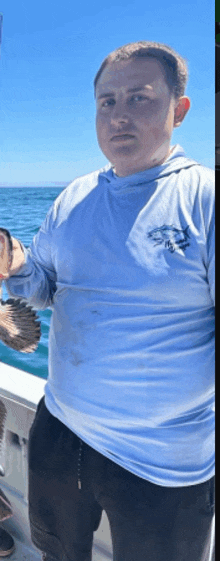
point(181, 109)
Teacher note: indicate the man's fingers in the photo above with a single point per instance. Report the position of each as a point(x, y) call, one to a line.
point(11, 255)
point(6, 253)
point(17, 257)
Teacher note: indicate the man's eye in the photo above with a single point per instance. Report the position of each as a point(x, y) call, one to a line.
point(139, 97)
point(108, 102)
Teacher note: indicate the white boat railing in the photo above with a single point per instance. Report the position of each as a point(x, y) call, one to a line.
point(20, 392)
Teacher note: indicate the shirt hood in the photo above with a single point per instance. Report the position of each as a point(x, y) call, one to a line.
point(176, 161)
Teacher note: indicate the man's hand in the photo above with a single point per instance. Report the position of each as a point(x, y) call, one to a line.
point(18, 258)
point(11, 255)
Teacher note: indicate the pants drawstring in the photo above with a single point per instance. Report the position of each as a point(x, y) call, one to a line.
point(79, 465)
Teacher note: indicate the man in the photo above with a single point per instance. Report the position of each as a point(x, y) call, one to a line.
point(125, 260)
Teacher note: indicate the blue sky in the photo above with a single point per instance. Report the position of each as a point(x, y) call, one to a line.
point(50, 54)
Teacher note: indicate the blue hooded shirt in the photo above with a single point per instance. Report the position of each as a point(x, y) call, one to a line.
point(127, 266)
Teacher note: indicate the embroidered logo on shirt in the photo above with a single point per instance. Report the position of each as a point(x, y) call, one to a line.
point(171, 237)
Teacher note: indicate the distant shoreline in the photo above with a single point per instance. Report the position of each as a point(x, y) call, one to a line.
point(58, 185)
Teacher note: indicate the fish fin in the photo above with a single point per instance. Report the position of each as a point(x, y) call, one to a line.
point(20, 328)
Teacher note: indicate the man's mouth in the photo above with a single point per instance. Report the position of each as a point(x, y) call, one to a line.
point(119, 137)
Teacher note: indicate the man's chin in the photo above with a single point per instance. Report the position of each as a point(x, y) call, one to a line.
point(124, 150)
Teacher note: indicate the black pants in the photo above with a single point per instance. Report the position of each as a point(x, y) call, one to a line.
point(148, 522)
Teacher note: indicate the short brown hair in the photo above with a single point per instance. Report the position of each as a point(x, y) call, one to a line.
point(175, 67)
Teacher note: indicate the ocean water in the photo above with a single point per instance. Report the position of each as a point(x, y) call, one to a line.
point(22, 210)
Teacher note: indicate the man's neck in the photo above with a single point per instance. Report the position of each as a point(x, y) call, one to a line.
point(137, 169)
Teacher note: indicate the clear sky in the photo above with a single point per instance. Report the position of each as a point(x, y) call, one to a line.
point(50, 54)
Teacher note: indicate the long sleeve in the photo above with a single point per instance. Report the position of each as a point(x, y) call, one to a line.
point(36, 280)
point(211, 258)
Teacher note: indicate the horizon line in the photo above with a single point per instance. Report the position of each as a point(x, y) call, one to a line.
point(38, 184)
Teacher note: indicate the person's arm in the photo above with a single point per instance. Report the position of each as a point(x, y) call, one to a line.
point(211, 258)
point(32, 275)
point(207, 206)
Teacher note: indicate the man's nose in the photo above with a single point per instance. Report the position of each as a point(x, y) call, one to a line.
point(120, 119)
point(120, 115)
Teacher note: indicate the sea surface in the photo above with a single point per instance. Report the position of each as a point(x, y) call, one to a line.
point(22, 210)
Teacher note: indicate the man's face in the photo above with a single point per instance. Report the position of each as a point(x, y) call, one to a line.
point(136, 114)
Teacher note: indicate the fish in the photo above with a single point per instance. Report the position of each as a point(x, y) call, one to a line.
point(171, 236)
point(20, 328)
